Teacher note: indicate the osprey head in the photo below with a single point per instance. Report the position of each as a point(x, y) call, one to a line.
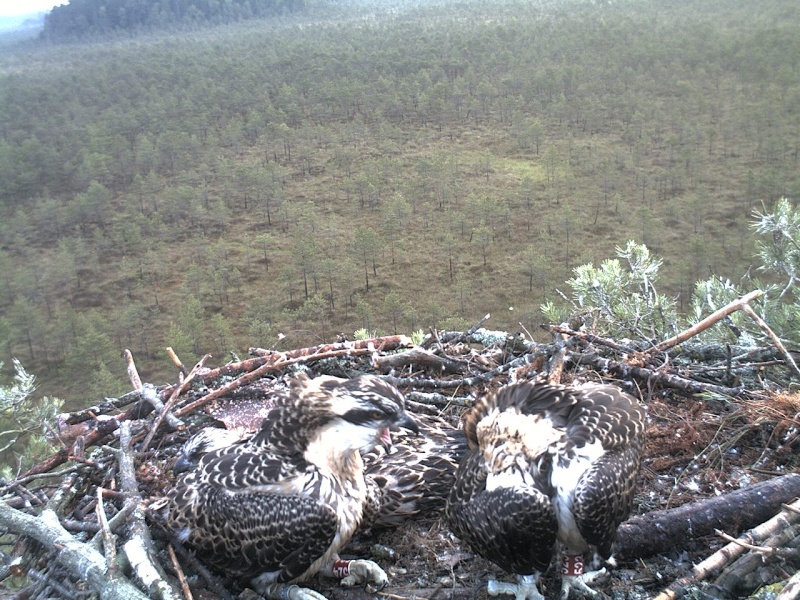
point(367, 409)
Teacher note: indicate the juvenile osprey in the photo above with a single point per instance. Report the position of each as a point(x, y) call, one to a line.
point(413, 477)
point(546, 463)
point(276, 508)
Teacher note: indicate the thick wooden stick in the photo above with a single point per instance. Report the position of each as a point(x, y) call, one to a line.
point(728, 553)
point(139, 548)
point(624, 371)
point(418, 357)
point(714, 317)
point(661, 531)
point(133, 372)
point(83, 561)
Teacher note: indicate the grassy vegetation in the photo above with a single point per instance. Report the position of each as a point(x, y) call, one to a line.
point(211, 190)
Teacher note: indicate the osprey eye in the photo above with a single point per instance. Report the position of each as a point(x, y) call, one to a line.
point(376, 414)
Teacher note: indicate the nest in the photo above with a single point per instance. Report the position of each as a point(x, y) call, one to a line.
point(77, 525)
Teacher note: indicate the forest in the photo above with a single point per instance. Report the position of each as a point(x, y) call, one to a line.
point(89, 19)
point(376, 168)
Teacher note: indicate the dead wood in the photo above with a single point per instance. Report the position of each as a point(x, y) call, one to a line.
point(717, 561)
point(622, 370)
point(419, 358)
point(101, 408)
point(139, 548)
point(455, 336)
point(442, 592)
point(737, 579)
point(380, 344)
point(710, 320)
point(95, 431)
point(81, 559)
point(668, 530)
point(590, 338)
point(775, 339)
point(792, 589)
point(164, 411)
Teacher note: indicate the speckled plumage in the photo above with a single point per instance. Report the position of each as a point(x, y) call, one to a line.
point(546, 463)
point(279, 506)
point(413, 477)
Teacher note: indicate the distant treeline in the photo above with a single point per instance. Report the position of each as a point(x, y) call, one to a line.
point(86, 18)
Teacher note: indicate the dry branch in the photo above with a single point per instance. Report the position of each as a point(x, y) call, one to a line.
point(775, 339)
point(417, 357)
point(625, 371)
point(382, 344)
point(95, 431)
point(717, 561)
point(164, 412)
point(791, 590)
point(734, 578)
point(666, 530)
point(589, 338)
point(108, 405)
point(83, 561)
point(248, 378)
point(710, 320)
point(139, 548)
point(133, 372)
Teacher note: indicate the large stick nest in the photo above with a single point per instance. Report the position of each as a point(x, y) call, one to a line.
point(719, 428)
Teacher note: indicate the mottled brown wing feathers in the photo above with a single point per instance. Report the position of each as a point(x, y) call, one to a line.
point(604, 496)
point(248, 533)
point(515, 529)
point(417, 475)
point(494, 521)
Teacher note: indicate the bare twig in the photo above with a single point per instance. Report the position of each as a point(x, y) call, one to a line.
point(187, 593)
point(213, 583)
point(262, 370)
point(775, 339)
point(623, 370)
point(589, 338)
point(176, 361)
point(760, 549)
point(383, 344)
point(710, 320)
point(173, 420)
point(477, 325)
point(109, 544)
point(110, 404)
point(150, 394)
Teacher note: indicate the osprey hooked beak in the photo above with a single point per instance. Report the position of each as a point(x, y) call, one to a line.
point(406, 423)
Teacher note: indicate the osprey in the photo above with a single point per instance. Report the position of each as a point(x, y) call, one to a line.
point(412, 477)
point(277, 508)
point(546, 463)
